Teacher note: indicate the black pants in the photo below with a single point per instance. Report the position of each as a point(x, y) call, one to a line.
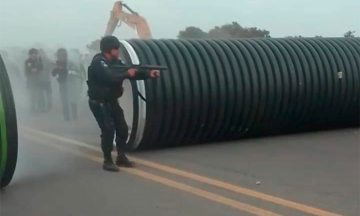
point(46, 95)
point(110, 118)
point(63, 87)
point(70, 108)
point(34, 94)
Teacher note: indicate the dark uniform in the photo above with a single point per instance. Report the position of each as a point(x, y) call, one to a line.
point(69, 77)
point(105, 87)
point(45, 80)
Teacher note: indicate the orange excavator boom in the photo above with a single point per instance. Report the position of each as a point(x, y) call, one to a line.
point(132, 19)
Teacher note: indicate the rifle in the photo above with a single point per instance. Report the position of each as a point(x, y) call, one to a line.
point(139, 67)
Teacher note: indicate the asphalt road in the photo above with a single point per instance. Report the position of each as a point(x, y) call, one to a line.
point(59, 173)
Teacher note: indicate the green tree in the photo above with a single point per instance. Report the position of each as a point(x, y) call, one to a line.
point(349, 34)
point(218, 32)
point(235, 30)
point(192, 32)
point(232, 30)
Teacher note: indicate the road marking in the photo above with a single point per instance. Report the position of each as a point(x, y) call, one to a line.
point(170, 183)
point(203, 179)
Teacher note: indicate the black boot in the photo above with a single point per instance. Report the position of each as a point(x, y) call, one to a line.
point(110, 166)
point(123, 161)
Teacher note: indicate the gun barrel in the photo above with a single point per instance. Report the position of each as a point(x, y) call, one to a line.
point(141, 67)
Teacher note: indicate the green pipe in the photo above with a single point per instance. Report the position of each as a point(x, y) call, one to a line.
point(3, 139)
point(8, 129)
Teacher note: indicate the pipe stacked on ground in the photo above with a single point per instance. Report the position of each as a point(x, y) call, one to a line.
point(218, 90)
point(8, 129)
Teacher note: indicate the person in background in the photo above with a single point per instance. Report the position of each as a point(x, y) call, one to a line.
point(45, 80)
point(69, 77)
point(76, 57)
point(33, 68)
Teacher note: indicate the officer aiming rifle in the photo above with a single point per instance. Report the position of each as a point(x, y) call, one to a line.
point(106, 74)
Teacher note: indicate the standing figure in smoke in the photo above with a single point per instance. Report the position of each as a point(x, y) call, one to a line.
point(75, 56)
point(33, 68)
point(45, 81)
point(69, 77)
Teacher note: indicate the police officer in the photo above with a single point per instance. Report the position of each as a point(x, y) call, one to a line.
point(70, 79)
point(104, 89)
point(33, 68)
point(45, 80)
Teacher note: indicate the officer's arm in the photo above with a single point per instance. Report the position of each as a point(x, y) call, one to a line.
point(104, 73)
point(141, 75)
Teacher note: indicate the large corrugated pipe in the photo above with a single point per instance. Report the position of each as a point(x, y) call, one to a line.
point(225, 89)
point(8, 129)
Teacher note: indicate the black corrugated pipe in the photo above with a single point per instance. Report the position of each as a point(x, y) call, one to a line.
point(218, 90)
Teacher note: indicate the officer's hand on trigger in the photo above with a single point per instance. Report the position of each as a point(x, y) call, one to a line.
point(154, 73)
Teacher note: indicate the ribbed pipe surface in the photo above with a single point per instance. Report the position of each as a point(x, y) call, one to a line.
point(224, 89)
point(8, 129)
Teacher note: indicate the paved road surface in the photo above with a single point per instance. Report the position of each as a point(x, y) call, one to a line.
point(59, 173)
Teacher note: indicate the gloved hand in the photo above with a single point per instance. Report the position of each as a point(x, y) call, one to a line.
point(154, 73)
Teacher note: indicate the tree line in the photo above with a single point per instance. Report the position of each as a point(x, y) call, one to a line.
point(235, 30)
point(226, 31)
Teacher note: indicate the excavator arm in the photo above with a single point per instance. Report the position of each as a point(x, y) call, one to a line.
point(132, 19)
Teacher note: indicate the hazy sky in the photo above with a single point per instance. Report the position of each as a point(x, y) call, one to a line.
point(75, 23)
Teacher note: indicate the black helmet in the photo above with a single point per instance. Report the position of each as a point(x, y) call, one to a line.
point(33, 51)
point(108, 43)
point(62, 51)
